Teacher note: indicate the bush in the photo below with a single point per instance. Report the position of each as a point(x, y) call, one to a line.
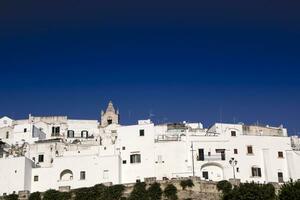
point(114, 192)
point(224, 186)
point(139, 192)
point(171, 192)
point(56, 195)
point(290, 191)
point(250, 191)
point(11, 197)
point(154, 192)
point(35, 196)
point(186, 183)
point(85, 193)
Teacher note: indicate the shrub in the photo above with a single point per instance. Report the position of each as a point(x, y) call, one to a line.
point(171, 192)
point(154, 192)
point(224, 186)
point(186, 183)
point(139, 192)
point(11, 197)
point(114, 192)
point(250, 191)
point(35, 196)
point(56, 195)
point(290, 191)
point(85, 193)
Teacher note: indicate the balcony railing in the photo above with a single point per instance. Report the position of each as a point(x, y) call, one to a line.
point(211, 157)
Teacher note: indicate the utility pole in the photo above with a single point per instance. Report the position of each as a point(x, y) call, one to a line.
point(193, 166)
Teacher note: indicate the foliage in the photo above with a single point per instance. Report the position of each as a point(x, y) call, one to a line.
point(154, 192)
point(224, 186)
point(100, 192)
point(290, 191)
point(186, 183)
point(11, 197)
point(114, 192)
point(171, 192)
point(35, 196)
point(139, 192)
point(85, 193)
point(56, 195)
point(249, 191)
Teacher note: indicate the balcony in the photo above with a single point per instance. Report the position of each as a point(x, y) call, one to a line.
point(211, 157)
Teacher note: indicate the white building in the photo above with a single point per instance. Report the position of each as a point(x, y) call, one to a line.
point(41, 153)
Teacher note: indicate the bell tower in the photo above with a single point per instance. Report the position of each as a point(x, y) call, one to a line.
point(110, 116)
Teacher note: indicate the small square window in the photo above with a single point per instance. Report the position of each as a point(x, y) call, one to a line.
point(142, 132)
point(124, 161)
point(235, 151)
point(82, 175)
point(280, 154)
point(123, 148)
point(233, 133)
point(36, 178)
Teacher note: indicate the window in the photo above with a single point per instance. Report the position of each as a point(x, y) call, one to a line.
point(36, 178)
point(55, 131)
point(280, 177)
point(84, 134)
point(256, 172)
point(237, 169)
point(142, 132)
point(235, 151)
point(70, 133)
point(200, 154)
point(135, 158)
point(222, 151)
point(280, 154)
point(123, 148)
point(25, 130)
point(41, 158)
point(109, 121)
point(124, 161)
point(233, 133)
point(82, 175)
point(249, 150)
point(205, 174)
point(7, 135)
point(105, 174)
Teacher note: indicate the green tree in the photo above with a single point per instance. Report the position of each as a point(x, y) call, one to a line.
point(154, 192)
point(171, 192)
point(114, 192)
point(249, 191)
point(56, 195)
point(11, 197)
point(35, 196)
point(290, 191)
point(139, 192)
point(186, 183)
point(225, 187)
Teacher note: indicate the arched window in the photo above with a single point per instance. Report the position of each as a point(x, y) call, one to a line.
point(66, 175)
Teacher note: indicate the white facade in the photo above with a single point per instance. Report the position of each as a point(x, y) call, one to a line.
point(44, 153)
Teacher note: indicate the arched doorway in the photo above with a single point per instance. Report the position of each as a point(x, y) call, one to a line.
point(212, 171)
point(66, 175)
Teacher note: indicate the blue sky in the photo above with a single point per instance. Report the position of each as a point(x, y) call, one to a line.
point(178, 60)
